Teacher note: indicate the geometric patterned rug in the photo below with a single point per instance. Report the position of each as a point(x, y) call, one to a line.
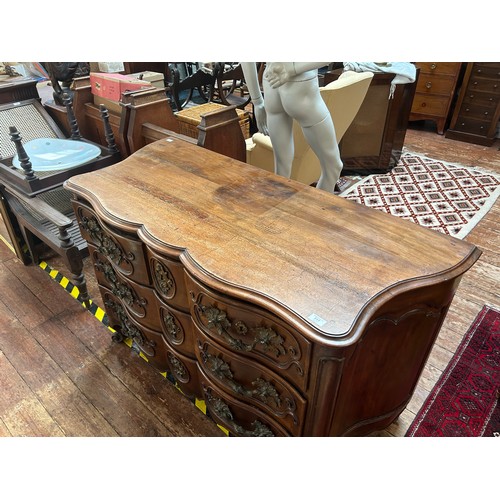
point(465, 402)
point(448, 198)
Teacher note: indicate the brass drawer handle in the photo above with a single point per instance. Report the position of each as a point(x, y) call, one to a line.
point(428, 85)
point(433, 66)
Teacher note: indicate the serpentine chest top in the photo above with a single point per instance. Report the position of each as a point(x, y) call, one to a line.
point(288, 310)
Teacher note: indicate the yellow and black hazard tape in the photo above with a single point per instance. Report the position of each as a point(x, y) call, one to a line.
point(102, 317)
point(98, 313)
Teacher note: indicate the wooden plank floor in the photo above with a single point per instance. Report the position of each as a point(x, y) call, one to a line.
point(62, 376)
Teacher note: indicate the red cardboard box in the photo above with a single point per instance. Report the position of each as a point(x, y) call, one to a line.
point(112, 85)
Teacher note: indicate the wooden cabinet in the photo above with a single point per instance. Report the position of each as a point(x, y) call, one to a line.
point(374, 141)
point(436, 88)
point(290, 311)
point(477, 111)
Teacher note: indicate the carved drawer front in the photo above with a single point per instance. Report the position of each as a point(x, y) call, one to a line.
point(144, 339)
point(168, 280)
point(140, 301)
point(185, 372)
point(252, 383)
point(252, 332)
point(125, 251)
point(153, 345)
point(177, 328)
point(240, 419)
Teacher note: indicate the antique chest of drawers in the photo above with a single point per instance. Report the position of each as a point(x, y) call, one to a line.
point(477, 112)
point(435, 92)
point(288, 310)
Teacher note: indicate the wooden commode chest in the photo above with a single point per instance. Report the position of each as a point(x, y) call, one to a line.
point(288, 310)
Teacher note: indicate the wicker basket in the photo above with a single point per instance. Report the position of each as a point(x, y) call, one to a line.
point(190, 118)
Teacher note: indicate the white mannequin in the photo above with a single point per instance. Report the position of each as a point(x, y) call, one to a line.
point(292, 92)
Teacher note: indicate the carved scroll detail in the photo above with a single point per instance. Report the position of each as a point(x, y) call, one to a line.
point(261, 390)
point(163, 279)
point(171, 327)
point(129, 330)
point(222, 410)
point(106, 245)
point(266, 338)
point(178, 369)
point(120, 289)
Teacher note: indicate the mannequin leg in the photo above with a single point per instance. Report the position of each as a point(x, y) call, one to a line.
point(280, 132)
point(302, 101)
point(321, 137)
point(280, 126)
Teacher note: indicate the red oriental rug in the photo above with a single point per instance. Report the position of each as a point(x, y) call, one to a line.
point(465, 400)
point(448, 198)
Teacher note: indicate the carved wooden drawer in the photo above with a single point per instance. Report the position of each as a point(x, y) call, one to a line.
point(177, 328)
point(144, 339)
point(168, 280)
point(240, 419)
point(139, 300)
point(125, 251)
point(243, 328)
point(153, 345)
point(252, 383)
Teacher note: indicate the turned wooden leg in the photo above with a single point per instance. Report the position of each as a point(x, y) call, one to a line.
point(74, 263)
